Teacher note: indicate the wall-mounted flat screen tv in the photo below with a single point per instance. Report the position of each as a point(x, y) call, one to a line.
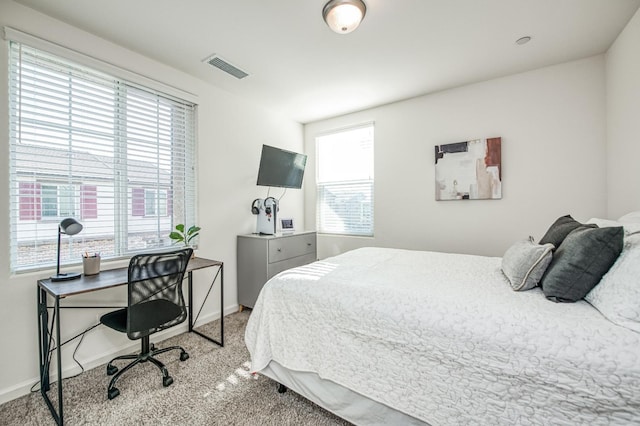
point(281, 168)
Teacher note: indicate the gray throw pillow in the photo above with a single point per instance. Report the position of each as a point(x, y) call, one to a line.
point(579, 263)
point(559, 230)
point(524, 263)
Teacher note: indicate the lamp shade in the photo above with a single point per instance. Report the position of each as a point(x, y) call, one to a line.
point(344, 16)
point(70, 226)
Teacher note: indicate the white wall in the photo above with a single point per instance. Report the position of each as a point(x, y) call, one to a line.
point(230, 135)
point(552, 124)
point(623, 120)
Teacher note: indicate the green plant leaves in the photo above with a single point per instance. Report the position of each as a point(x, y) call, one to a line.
point(180, 236)
point(176, 236)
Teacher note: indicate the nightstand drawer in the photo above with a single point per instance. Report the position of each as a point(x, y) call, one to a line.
point(293, 246)
point(277, 267)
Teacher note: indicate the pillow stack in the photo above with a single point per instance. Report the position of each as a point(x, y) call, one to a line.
point(568, 262)
point(598, 261)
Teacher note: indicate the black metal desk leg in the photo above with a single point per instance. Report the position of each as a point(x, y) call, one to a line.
point(193, 320)
point(45, 351)
point(190, 278)
point(43, 344)
point(222, 305)
point(59, 360)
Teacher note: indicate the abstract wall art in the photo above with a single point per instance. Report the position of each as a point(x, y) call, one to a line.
point(470, 170)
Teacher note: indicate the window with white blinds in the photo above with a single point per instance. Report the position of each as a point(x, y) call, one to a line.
point(345, 181)
point(117, 157)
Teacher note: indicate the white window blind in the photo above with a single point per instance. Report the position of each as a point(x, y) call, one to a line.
point(118, 157)
point(345, 181)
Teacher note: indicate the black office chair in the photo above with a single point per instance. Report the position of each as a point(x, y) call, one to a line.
point(155, 302)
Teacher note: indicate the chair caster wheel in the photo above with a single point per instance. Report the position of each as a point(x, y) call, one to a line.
point(184, 356)
point(113, 392)
point(167, 381)
point(281, 388)
point(111, 370)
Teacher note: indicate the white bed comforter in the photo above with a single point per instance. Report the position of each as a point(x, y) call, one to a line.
point(443, 338)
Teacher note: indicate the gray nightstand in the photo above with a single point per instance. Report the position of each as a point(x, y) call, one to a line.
point(260, 257)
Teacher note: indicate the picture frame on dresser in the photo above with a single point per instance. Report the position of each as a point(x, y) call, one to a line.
point(287, 225)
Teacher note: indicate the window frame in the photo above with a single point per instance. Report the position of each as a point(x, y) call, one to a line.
point(27, 197)
point(365, 228)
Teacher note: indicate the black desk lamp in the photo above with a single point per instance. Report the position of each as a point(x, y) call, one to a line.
point(68, 226)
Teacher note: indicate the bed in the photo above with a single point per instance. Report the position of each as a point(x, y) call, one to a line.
point(392, 336)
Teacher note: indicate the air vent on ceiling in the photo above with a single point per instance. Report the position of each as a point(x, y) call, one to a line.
point(222, 64)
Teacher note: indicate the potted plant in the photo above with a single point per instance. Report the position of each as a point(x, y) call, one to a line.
point(180, 236)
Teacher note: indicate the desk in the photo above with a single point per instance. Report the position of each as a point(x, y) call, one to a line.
point(86, 284)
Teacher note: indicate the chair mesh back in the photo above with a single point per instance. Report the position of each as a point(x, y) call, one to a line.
point(155, 292)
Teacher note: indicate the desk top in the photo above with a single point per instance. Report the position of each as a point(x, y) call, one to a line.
point(107, 279)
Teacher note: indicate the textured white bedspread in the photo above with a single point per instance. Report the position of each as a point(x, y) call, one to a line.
point(442, 337)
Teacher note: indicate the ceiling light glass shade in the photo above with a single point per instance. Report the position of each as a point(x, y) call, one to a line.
point(344, 16)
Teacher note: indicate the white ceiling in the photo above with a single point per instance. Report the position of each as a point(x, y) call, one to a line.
point(402, 49)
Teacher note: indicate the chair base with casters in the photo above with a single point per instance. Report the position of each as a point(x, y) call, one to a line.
point(118, 321)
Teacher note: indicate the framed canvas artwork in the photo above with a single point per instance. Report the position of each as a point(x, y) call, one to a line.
point(470, 170)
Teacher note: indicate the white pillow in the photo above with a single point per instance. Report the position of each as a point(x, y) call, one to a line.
point(630, 228)
point(617, 296)
point(633, 217)
point(524, 263)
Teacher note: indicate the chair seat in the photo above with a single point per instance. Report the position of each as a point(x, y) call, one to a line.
point(149, 316)
point(116, 320)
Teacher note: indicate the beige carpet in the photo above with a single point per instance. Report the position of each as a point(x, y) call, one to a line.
point(213, 387)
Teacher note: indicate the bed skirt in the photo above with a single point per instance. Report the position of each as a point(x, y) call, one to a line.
point(337, 399)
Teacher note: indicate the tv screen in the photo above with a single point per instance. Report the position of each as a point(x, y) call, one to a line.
point(281, 168)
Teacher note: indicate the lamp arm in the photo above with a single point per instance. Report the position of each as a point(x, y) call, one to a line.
point(58, 264)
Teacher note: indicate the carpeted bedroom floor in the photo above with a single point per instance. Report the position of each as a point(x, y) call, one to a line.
point(213, 387)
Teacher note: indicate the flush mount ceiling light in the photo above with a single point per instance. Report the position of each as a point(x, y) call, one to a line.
point(344, 16)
